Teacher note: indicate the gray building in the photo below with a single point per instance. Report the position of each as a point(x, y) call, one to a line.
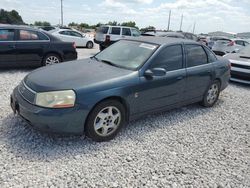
point(243, 35)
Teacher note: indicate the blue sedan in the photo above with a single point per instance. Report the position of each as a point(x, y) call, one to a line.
point(130, 79)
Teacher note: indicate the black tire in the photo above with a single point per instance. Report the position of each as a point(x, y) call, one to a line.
point(89, 45)
point(93, 119)
point(212, 94)
point(51, 55)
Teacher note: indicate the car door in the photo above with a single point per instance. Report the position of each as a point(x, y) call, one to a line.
point(77, 38)
point(200, 71)
point(126, 32)
point(167, 89)
point(30, 47)
point(64, 36)
point(115, 33)
point(7, 47)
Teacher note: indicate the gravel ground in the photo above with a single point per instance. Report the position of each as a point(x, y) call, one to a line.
point(188, 147)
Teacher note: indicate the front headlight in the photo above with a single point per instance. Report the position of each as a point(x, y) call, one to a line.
point(56, 99)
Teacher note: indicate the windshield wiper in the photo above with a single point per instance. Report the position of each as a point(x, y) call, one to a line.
point(109, 62)
point(94, 57)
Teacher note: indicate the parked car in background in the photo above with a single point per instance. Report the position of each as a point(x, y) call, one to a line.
point(69, 35)
point(213, 39)
point(107, 35)
point(224, 46)
point(22, 46)
point(46, 28)
point(240, 65)
point(183, 35)
point(163, 34)
point(132, 78)
point(190, 36)
point(203, 40)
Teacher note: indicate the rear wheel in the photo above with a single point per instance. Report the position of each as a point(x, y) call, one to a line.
point(212, 94)
point(51, 59)
point(90, 45)
point(105, 121)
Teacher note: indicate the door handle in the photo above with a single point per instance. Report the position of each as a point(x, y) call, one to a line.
point(179, 78)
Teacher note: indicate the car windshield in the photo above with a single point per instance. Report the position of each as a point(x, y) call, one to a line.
point(127, 54)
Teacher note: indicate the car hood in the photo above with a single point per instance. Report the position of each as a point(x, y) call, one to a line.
point(74, 75)
point(239, 58)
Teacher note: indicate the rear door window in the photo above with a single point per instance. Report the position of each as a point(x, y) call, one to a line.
point(103, 30)
point(7, 34)
point(239, 42)
point(42, 36)
point(28, 35)
point(75, 34)
point(126, 32)
point(211, 57)
point(196, 55)
point(115, 31)
point(64, 32)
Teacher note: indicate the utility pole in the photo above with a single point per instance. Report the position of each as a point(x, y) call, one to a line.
point(181, 22)
point(61, 12)
point(169, 19)
point(194, 27)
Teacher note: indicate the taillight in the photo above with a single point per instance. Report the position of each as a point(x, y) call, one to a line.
point(231, 43)
point(107, 39)
point(74, 45)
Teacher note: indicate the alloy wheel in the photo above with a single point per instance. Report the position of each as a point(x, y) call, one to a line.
point(107, 121)
point(51, 60)
point(212, 93)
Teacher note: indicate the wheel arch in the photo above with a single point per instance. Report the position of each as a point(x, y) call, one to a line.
point(52, 52)
point(117, 98)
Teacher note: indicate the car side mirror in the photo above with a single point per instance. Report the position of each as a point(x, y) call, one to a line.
point(148, 74)
point(155, 72)
point(236, 51)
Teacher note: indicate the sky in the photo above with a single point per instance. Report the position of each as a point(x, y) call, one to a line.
point(209, 15)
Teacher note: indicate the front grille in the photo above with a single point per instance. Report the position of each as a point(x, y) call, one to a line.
point(240, 66)
point(26, 93)
point(240, 75)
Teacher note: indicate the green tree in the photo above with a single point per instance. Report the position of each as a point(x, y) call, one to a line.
point(114, 23)
point(129, 24)
point(84, 25)
point(73, 24)
point(10, 17)
point(149, 28)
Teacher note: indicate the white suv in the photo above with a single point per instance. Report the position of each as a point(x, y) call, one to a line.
point(107, 35)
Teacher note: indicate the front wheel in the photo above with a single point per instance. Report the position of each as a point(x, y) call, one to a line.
point(90, 45)
point(212, 94)
point(105, 121)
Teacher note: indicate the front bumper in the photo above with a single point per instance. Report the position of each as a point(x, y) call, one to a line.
point(70, 56)
point(241, 75)
point(66, 121)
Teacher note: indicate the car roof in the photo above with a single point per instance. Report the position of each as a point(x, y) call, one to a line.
point(8, 26)
point(117, 26)
point(161, 40)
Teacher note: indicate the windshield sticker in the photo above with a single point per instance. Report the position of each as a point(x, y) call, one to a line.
point(148, 46)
